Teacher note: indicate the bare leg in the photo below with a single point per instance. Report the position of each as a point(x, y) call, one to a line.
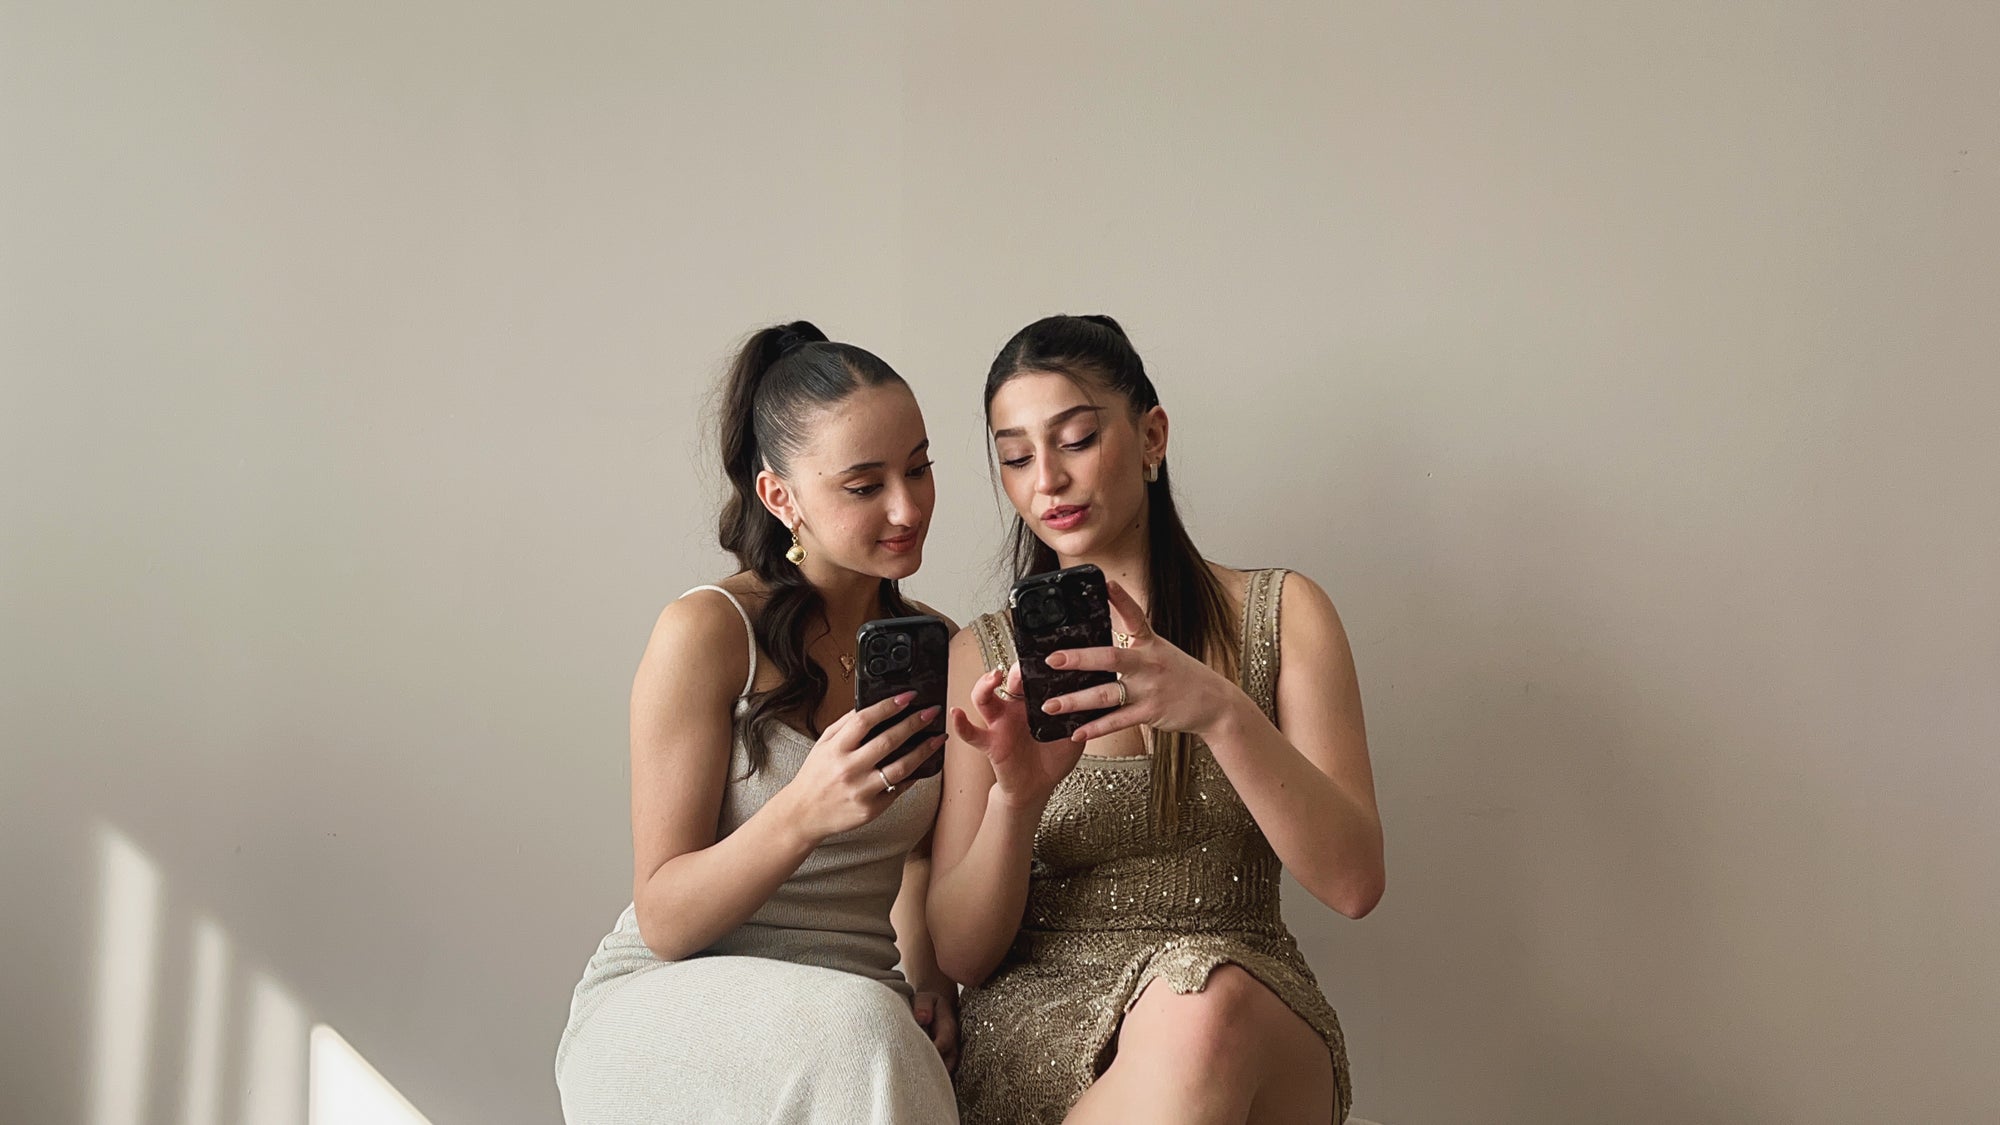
point(1231, 1054)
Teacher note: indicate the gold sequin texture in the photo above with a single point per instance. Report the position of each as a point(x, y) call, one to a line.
point(1114, 903)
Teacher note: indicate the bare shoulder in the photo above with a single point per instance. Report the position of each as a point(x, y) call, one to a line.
point(701, 615)
point(698, 641)
point(949, 625)
point(965, 644)
point(1301, 592)
point(1306, 619)
point(970, 644)
point(1310, 629)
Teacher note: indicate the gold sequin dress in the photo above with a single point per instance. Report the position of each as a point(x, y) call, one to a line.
point(1113, 902)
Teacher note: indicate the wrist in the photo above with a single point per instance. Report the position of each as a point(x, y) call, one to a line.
point(788, 822)
point(1015, 809)
point(1233, 719)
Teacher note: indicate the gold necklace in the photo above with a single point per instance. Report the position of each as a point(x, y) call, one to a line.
point(846, 663)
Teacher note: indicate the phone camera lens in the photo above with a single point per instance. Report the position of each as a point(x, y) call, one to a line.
point(1043, 609)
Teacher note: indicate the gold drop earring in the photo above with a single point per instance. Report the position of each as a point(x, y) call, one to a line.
point(797, 554)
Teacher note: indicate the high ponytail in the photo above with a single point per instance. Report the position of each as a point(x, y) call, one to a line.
point(779, 381)
point(744, 519)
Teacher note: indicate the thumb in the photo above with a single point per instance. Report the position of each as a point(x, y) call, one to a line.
point(965, 730)
point(925, 1008)
point(978, 737)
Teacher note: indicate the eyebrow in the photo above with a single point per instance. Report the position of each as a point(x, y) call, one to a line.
point(1017, 431)
point(864, 466)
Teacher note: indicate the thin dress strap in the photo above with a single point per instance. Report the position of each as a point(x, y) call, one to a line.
point(749, 633)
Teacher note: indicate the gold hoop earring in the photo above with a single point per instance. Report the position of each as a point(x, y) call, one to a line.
point(1152, 471)
point(797, 554)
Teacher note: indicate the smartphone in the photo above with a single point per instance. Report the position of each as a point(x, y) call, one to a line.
point(899, 654)
point(1063, 609)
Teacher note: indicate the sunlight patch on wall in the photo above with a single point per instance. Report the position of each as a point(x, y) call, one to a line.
point(208, 985)
point(127, 943)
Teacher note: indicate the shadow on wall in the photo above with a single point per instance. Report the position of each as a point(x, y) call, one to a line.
point(164, 1048)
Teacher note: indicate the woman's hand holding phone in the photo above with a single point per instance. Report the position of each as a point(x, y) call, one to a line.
point(1159, 683)
point(843, 783)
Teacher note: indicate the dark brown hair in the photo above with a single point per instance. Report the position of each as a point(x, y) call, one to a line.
point(779, 382)
point(1184, 600)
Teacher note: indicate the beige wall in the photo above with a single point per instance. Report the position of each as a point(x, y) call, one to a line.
point(1619, 368)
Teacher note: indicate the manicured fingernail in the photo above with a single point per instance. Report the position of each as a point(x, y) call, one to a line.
point(1052, 706)
point(905, 698)
point(929, 713)
point(1053, 660)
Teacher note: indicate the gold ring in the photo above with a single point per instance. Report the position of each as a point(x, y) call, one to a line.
point(1001, 691)
point(1123, 696)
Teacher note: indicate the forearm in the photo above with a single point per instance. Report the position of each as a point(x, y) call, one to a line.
point(694, 899)
point(913, 935)
point(1329, 839)
point(976, 904)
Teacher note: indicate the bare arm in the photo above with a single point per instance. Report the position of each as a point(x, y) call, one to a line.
point(1307, 780)
point(986, 824)
point(913, 935)
point(689, 888)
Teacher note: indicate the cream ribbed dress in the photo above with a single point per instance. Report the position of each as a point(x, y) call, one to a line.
point(798, 1015)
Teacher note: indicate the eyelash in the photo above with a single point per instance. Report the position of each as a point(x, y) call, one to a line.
point(1077, 446)
point(916, 472)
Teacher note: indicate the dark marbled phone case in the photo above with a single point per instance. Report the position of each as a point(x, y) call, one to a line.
point(1051, 612)
point(899, 654)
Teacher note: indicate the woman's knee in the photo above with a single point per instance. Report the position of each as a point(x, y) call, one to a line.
point(1214, 1031)
point(848, 1016)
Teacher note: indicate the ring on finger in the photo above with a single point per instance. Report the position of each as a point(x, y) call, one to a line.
point(1124, 696)
point(886, 787)
point(1001, 691)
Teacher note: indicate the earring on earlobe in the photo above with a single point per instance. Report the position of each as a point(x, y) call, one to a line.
point(797, 553)
point(1152, 471)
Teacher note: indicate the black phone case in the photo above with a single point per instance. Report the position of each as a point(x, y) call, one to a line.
point(899, 654)
point(1079, 594)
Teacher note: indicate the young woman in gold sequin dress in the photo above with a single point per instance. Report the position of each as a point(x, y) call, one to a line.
point(1111, 902)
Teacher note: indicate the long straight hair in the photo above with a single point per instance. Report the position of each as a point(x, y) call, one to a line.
point(779, 382)
point(1185, 603)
